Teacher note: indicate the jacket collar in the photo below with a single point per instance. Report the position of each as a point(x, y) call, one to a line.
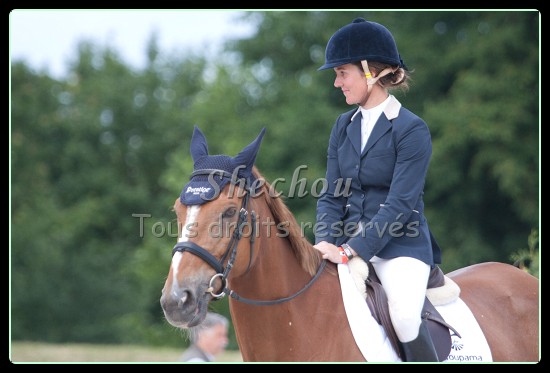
point(391, 111)
point(382, 126)
point(353, 131)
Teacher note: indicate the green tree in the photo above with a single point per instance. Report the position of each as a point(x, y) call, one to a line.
point(484, 174)
point(529, 259)
point(87, 154)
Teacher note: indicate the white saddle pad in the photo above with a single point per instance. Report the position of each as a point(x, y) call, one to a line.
point(375, 345)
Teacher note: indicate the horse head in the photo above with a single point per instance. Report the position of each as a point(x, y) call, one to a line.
point(213, 215)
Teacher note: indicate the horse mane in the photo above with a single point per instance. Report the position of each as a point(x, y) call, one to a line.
point(308, 257)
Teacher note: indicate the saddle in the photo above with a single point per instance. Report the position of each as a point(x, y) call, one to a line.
point(438, 328)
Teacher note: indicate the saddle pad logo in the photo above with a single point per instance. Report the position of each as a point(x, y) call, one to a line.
point(460, 352)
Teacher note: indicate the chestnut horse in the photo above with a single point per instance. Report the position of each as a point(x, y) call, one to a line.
point(237, 237)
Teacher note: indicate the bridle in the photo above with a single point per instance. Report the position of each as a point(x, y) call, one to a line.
point(231, 251)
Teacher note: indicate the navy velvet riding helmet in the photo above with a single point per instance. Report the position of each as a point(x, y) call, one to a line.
point(362, 40)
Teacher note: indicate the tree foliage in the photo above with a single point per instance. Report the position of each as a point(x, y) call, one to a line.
point(95, 150)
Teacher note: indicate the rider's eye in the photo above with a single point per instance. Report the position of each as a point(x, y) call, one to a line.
point(230, 212)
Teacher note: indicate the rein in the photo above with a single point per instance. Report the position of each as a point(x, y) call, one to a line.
point(236, 296)
point(231, 251)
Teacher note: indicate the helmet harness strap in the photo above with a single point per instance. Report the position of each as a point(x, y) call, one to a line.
point(370, 80)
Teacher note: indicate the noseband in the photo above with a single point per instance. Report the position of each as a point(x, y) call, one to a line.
point(231, 250)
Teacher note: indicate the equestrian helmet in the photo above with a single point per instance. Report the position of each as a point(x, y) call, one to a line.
point(361, 40)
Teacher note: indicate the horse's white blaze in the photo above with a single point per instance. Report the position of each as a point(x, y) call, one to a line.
point(192, 213)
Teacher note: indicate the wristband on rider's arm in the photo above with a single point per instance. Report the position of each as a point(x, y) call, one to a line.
point(347, 250)
point(343, 255)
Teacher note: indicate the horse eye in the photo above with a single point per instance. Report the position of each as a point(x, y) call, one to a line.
point(230, 212)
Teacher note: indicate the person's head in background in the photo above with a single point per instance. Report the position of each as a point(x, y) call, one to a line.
point(211, 335)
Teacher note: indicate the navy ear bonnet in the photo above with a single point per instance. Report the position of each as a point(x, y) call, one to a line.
point(211, 173)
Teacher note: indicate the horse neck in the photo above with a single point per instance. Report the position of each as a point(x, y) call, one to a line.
point(275, 273)
point(292, 330)
point(275, 270)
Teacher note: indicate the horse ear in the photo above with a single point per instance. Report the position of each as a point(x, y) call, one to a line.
point(199, 147)
point(247, 156)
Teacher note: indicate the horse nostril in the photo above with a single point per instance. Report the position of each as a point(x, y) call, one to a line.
point(182, 298)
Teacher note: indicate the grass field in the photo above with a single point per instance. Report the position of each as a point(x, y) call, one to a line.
point(32, 352)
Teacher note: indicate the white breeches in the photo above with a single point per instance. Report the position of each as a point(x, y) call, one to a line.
point(404, 279)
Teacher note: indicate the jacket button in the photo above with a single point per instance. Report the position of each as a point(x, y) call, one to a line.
point(356, 166)
point(362, 195)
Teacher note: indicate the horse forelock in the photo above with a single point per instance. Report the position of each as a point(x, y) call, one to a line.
point(309, 258)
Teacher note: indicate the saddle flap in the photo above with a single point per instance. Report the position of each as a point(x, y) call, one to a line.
point(377, 302)
point(439, 330)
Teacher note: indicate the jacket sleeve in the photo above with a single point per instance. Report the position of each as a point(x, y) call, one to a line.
point(330, 207)
point(413, 152)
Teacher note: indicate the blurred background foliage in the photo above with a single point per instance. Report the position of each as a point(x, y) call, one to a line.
point(92, 151)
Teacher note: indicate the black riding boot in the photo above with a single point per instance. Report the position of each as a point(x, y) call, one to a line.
point(422, 348)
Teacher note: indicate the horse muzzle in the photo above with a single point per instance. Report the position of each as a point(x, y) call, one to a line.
point(184, 307)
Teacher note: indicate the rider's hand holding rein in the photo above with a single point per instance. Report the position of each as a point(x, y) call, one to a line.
point(338, 255)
